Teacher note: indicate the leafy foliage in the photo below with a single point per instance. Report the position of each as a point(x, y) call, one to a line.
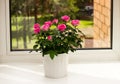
point(61, 41)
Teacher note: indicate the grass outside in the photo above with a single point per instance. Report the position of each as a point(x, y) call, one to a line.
point(85, 24)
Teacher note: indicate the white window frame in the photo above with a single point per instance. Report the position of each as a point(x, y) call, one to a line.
point(78, 56)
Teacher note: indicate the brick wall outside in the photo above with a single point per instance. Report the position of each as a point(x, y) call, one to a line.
point(102, 24)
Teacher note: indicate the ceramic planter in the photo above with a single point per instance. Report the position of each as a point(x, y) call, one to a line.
point(56, 68)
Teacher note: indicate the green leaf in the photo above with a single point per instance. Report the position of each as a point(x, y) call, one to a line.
point(35, 46)
point(52, 54)
point(33, 34)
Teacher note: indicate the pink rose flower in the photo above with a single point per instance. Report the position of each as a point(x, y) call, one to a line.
point(49, 38)
point(61, 27)
point(75, 22)
point(48, 22)
point(45, 27)
point(55, 21)
point(36, 28)
point(36, 25)
point(65, 18)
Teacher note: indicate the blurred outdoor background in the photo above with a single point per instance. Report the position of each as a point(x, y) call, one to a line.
point(24, 13)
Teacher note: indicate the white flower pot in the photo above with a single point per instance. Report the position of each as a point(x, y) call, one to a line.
point(56, 68)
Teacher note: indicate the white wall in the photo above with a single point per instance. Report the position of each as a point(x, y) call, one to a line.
point(80, 56)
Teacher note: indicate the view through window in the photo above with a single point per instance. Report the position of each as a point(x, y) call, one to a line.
point(95, 20)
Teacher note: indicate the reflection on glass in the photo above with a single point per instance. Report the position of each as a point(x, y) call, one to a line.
point(94, 19)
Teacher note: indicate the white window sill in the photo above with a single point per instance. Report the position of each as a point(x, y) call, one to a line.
point(32, 73)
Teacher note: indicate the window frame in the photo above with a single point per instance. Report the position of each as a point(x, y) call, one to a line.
point(111, 34)
point(78, 56)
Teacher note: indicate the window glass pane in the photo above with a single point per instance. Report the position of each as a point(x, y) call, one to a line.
point(95, 20)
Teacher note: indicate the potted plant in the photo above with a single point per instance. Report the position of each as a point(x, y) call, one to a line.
point(55, 38)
